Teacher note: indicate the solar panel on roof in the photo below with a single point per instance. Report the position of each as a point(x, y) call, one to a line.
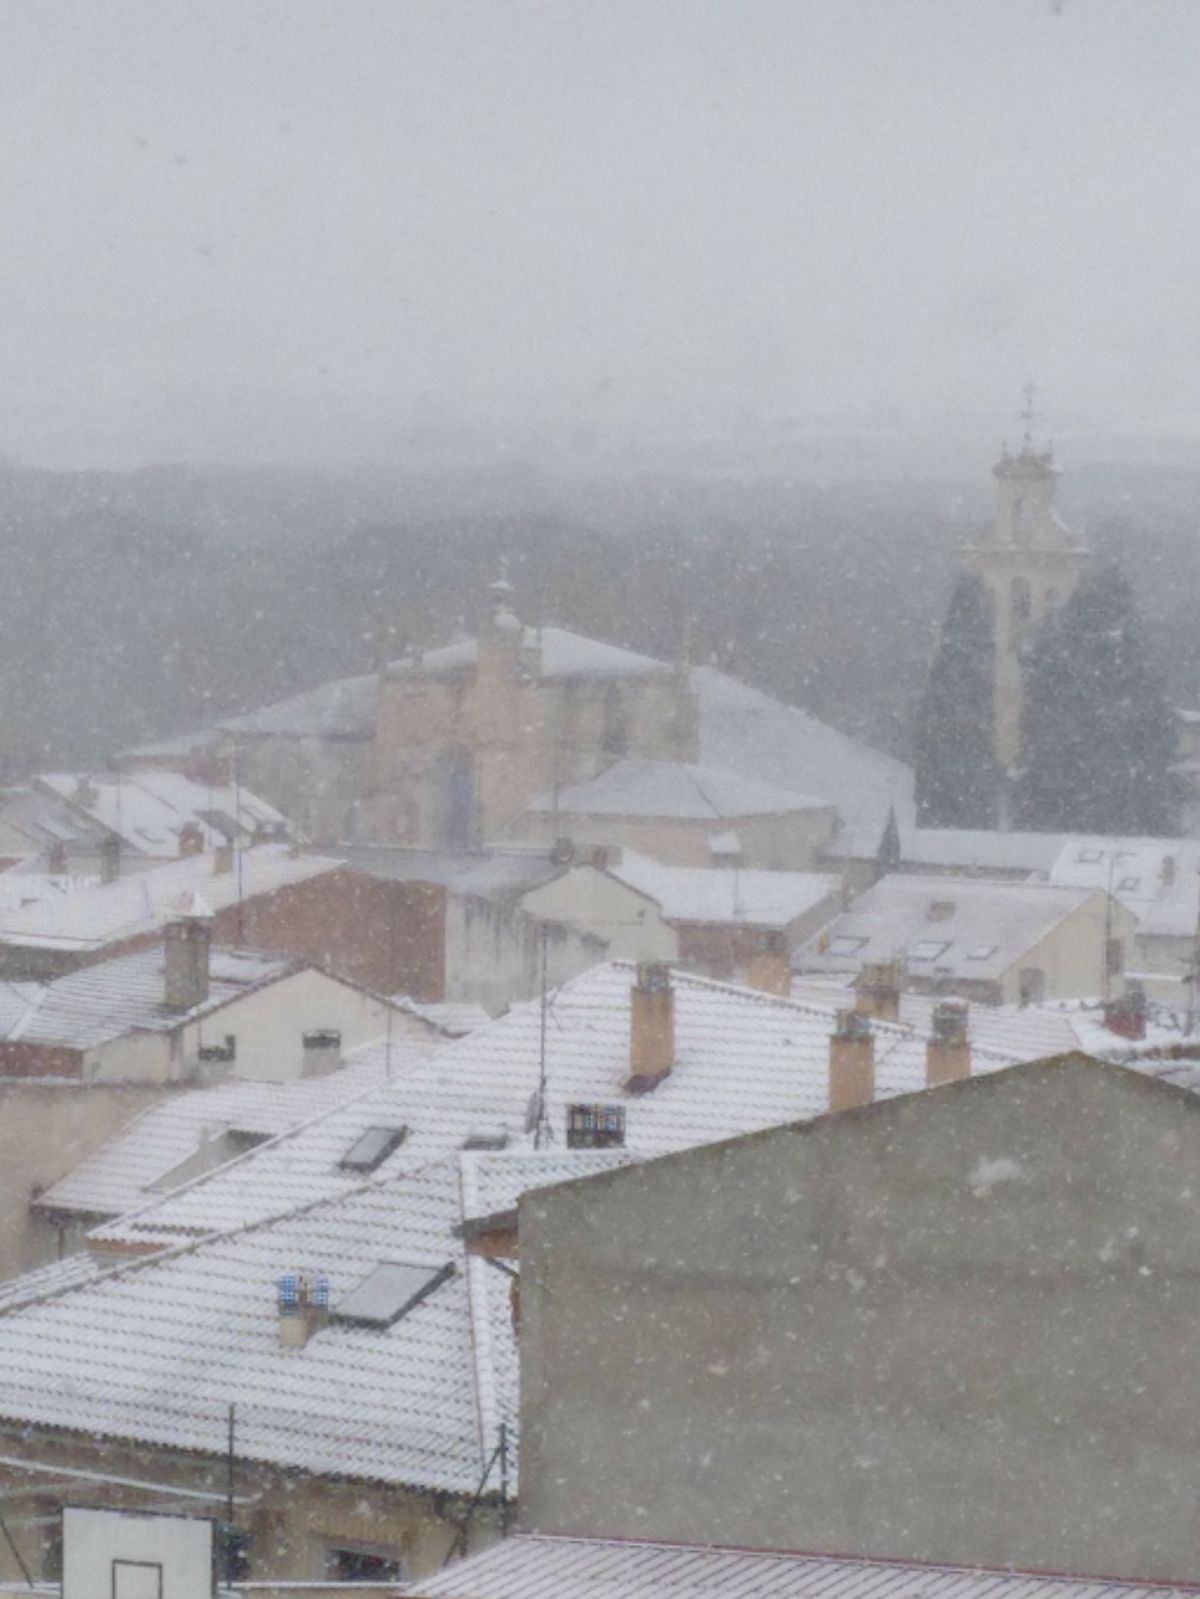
point(390, 1291)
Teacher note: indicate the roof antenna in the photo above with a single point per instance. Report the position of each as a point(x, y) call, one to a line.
point(542, 1133)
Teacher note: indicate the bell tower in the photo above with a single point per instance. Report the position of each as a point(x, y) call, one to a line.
point(1031, 562)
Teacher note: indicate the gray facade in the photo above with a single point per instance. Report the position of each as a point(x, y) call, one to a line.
point(956, 1326)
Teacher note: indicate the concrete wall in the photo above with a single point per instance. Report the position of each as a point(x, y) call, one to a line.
point(594, 901)
point(45, 1131)
point(494, 953)
point(295, 1520)
point(956, 1326)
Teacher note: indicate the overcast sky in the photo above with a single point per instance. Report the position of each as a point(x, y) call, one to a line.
point(289, 229)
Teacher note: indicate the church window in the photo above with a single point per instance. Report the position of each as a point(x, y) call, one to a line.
point(1022, 599)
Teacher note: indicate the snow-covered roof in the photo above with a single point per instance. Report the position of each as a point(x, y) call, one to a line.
point(148, 807)
point(493, 874)
point(963, 849)
point(725, 894)
point(141, 903)
point(48, 1279)
point(455, 1018)
point(560, 653)
point(115, 997)
point(136, 1163)
point(532, 1565)
point(972, 929)
point(157, 1350)
point(1157, 878)
point(674, 789)
point(744, 730)
point(493, 1183)
point(745, 1061)
point(741, 729)
point(1023, 1032)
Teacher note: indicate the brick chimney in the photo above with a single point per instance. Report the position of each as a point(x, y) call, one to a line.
point(851, 1061)
point(877, 990)
point(186, 941)
point(948, 1052)
point(770, 969)
point(303, 1308)
point(651, 1027)
point(1127, 1016)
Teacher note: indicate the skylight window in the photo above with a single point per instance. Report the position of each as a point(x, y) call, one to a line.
point(1128, 885)
point(983, 952)
point(844, 945)
point(927, 949)
point(1090, 856)
point(390, 1291)
point(370, 1149)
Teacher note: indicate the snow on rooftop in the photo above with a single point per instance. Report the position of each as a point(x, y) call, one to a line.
point(675, 789)
point(1157, 878)
point(745, 1061)
point(966, 928)
point(133, 1165)
point(129, 1355)
point(726, 894)
point(531, 1566)
point(744, 730)
point(741, 729)
point(143, 902)
point(148, 807)
point(97, 1003)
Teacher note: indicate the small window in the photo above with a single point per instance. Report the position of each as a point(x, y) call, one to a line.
point(983, 952)
point(389, 1292)
point(216, 1052)
point(595, 1126)
point(364, 1565)
point(927, 949)
point(843, 945)
point(369, 1151)
point(1032, 985)
point(1128, 885)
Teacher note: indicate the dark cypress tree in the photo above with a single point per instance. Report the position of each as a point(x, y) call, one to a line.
point(1097, 735)
point(890, 852)
point(957, 778)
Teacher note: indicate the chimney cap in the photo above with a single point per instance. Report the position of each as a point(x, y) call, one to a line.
point(950, 1021)
point(654, 977)
point(852, 1024)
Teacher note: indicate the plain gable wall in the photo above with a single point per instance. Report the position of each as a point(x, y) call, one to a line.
point(596, 902)
point(956, 1327)
point(46, 1130)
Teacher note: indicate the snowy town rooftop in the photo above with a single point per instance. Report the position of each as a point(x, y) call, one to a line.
point(141, 903)
point(722, 894)
point(969, 930)
point(743, 1061)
